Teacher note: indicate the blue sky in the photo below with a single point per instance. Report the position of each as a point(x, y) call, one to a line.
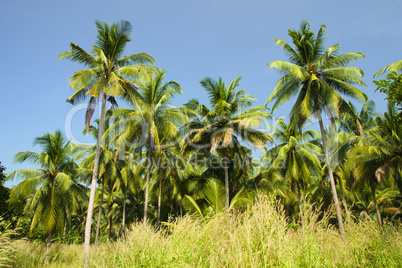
point(191, 39)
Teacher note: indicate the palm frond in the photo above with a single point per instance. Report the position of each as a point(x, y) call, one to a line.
point(394, 67)
point(77, 54)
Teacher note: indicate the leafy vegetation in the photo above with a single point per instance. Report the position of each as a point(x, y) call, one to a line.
point(183, 185)
point(4, 192)
point(260, 237)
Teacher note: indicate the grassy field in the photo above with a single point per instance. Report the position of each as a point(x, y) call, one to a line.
point(260, 237)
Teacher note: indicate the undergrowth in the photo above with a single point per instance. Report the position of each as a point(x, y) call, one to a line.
point(260, 237)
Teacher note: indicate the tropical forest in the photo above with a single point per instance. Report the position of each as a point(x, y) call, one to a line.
point(218, 180)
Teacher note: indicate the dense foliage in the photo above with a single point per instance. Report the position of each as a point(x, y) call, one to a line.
point(4, 192)
point(184, 186)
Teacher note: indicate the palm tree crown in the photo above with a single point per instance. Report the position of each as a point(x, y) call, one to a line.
point(226, 123)
point(108, 70)
point(315, 75)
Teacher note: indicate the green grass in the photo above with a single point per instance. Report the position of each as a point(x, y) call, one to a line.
point(260, 237)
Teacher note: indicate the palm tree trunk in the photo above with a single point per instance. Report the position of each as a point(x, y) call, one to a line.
point(171, 200)
point(148, 178)
point(226, 167)
point(159, 195)
point(345, 205)
point(376, 204)
point(181, 207)
point(93, 183)
point(331, 175)
point(123, 224)
point(48, 243)
point(300, 200)
point(64, 232)
point(99, 214)
point(110, 226)
point(300, 205)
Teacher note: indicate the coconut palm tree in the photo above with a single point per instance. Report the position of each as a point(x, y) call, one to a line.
point(126, 179)
point(225, 124)
point(109, 170)
point(378, 156)
point(169, 172)
point(142, 125)
point(295, 156)
point(317, 78)
point(52, 188)
point(389, 131)
point(357, 122)
point(107, 75)
point(126, 195)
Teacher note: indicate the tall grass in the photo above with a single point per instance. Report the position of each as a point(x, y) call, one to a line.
point(260, 237)
point(7, 251)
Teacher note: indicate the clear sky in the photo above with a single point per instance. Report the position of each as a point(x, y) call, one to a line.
point(191, 39)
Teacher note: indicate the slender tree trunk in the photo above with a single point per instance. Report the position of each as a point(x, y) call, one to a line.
point(331, 175)
point(226, 178)
point(181, 207)
point(48, 243)
point(361, 131)
point(300, 200)
point(99, 214)
point(339, 181)
point(376, 205)
point(64, 232)
point(148, 178)
point(159, 195)
point(88, 223)
point(345, 205)
point(110, 227)
point(123, 224)
point(300, 206)
point(171, 200)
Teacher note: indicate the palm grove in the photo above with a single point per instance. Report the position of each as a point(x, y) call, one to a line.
point(153, 161)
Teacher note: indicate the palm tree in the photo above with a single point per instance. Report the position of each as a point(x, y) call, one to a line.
point(389, 129)
point(295, 157)
point(150, 116)
point(225, 124)
point(316, 77)
point(357, 122)
point(52, 188)
point(109, 170)
point(106, 76)
point(169, 172)
point(128, 172)
point(378, 156)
